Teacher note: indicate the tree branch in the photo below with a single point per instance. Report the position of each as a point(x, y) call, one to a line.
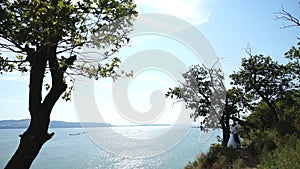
point(12, 42)
point(284, 15)
point(10, 48)
point(38, 67)
point(57, 74)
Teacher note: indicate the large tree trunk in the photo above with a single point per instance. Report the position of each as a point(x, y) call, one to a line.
point(37, 134)
point(225, 122)
point(269, 104)
point(30, 144)
point(225, 130)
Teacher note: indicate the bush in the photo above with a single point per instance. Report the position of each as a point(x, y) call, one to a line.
point(286, 127)
point(217, 157)
point(287, 155)
point(238, 164)
point(263, 142)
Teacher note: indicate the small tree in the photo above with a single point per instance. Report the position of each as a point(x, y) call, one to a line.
point(266, 80)
point(44, 36)
point(204, 92)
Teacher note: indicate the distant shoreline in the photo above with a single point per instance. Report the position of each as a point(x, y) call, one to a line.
point(24, 123)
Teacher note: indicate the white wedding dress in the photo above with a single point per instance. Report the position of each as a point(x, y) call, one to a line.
point(231, 142)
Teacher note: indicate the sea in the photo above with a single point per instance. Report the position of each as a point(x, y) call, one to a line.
point(73, 148)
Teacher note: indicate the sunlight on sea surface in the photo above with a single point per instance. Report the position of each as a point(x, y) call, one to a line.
point(79, 152)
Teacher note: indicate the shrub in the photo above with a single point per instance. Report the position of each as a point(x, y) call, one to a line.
point(238, 164)
point(286, 127)
point(286, 156)
point(263, 142)
point(217, 157)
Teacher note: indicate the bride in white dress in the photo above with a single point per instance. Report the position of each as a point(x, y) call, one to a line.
point(232, 143)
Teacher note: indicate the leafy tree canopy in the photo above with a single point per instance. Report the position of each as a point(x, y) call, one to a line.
point(265, 79)
point(28, 26)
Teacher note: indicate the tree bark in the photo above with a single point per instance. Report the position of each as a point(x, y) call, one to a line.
point(225, 122)
point(225, 131)
point(270, 105)
point(37, 134)
point(267, 101)
point(30, 144)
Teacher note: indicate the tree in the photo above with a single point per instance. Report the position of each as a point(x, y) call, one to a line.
point(44, 35)
point(197, 93)
point(266, 80)
point(204, 92)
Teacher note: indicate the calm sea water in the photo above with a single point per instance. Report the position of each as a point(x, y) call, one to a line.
point(79, 152)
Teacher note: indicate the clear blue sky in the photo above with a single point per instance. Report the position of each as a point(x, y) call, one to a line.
point(230, 26)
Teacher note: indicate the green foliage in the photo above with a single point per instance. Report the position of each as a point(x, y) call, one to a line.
point(266, 80)
point(263, 77)
point(238, 103)
point(289, 115)
point(109, 69)
point(294, 55)
point(276, 144)
point(5, 66)
point(203, 92)
point(217, 157)
point(68, 93)
point(263, 141)
point(286, 127)
point(294, 52)
point(27, 26)
point(195, 92)
point(289, 106)
point(238, 164)
point(296, 123)
point(261, 119)
point(286, 156)
point(37, 22)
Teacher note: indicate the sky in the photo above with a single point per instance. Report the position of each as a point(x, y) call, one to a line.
point(229, 25)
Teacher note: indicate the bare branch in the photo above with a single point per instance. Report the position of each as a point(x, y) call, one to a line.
point(248, 50)
point(286, 16)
